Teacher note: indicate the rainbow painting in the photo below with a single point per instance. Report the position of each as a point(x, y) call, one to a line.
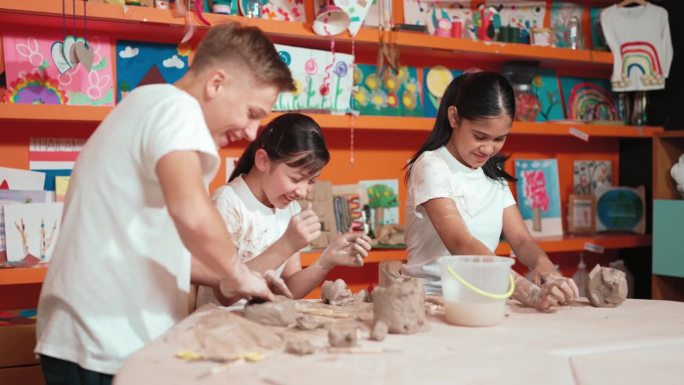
point(640, 65)
point(35, 89)
point(588, 99)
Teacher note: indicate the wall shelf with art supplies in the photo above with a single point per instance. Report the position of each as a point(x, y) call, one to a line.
point(364, 69)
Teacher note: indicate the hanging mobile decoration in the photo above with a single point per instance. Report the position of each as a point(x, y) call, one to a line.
point(72, 50)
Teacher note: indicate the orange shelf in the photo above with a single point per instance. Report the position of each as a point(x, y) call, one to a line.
point(566, 243)
point(88, 114)
point(162, 25)
point(575, 243)
point(22, 275)
point(375, 256)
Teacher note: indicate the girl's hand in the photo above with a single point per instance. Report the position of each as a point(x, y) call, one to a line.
point(561, 288)
point(346, 250)
point(303, 229)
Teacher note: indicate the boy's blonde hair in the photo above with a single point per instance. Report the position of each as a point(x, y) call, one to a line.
point(245, 47)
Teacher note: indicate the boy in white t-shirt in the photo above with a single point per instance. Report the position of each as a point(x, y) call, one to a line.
point(138, 208)
point(458, 197)
point(265, 221)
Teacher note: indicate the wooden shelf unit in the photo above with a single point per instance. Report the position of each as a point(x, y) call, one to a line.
point(162, 25)
point(22, 275)
point(89, 114)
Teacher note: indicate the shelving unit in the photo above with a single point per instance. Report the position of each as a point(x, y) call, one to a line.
point(371, 133)
point(668, 219)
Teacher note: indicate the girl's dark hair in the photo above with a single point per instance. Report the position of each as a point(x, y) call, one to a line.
point(476, 96)
point(293, 139)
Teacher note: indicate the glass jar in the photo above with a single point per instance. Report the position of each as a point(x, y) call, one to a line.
point(527, 104)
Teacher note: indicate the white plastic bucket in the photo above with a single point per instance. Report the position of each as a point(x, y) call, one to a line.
point(475, 288)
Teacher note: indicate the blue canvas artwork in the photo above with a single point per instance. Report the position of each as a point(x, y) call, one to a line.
point(142, 63)
point(386, 94)
point(545, 86)
point(539, 196)
point(588, 99)
point(435, 81)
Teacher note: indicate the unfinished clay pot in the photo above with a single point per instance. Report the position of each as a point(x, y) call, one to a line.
point(280, 312)
point(400, 305)
point(606, 287)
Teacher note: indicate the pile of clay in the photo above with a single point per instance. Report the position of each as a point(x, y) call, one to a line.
point(606, 287)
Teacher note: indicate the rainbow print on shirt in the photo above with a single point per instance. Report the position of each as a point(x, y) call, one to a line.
point(639, 59)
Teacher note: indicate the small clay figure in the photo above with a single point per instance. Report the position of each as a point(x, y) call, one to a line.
point(335, 293)
point(307, 322)
point(342, 336)
point(606, 287)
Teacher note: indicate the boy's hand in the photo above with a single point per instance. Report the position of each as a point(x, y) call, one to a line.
point(346, 250)
point(245, 283)
point(303, 229)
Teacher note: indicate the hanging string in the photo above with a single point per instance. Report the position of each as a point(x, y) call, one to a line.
point(73, 19)
point(85, 23)
point(63, 19)
point(352, 119)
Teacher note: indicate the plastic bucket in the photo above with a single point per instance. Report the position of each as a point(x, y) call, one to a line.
point(475, 288)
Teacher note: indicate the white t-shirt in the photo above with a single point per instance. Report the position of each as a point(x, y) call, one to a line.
point(120, 275)
point(252, 225)
point(480, 202)
point(639, 38)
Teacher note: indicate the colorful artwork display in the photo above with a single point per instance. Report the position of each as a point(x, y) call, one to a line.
point(54, 156)
point(383, 199)
point(545, 86)
point(620, 209)
point(287, 10)
point(323, 81)
point(589, 175)
point(142, 63)
point(435, 82)
point(9, 197)
point(357, 11)
point(598, 40)
point(32, 230)
point(438, 16)
point(539, 196)
point(44, 69)
point(588, 99)
point(387, 94)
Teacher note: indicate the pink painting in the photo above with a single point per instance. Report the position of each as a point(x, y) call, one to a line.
point(43, 69)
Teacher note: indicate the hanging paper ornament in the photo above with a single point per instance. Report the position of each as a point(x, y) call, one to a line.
point(357, 11)
point(330, 20)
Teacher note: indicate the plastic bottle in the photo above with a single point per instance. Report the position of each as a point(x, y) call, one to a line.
point(581, 276)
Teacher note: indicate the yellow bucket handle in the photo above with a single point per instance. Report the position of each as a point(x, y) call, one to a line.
point(480, 291)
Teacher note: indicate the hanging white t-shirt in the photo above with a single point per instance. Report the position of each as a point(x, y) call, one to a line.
point(252, 225)
point(480, 202)
point(639, 38)
point(120, 275)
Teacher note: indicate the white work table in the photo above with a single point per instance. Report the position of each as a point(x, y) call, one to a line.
point(639, 342)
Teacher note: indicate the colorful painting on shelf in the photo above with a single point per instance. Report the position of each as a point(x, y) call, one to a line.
point(539, 196)
point(323, 81)
point(287, 10)
point(18, 179)
point(387, 94)
point(589, 175)
point(435, 82)
point(383, 199)
point(9, 197)
point(545, 85)
point(357, 11)
point(31, 231)
point(142, 63)
point(588, 99)
point(46, 69)
point(438, 16)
